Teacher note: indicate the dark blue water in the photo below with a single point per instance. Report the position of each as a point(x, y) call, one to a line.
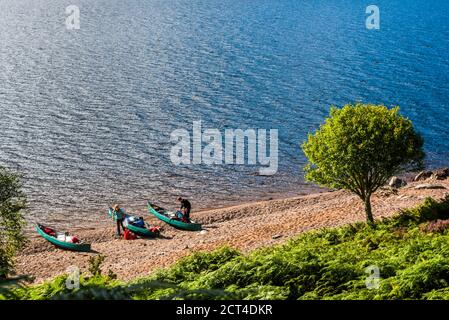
point(87, 114)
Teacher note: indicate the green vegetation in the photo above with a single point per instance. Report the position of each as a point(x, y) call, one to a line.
point(12, 203)
point(411, 251)
point(359, 147)
point(95, 264)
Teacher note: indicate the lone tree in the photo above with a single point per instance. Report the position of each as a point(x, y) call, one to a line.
point(359, 147)
point(12, 202)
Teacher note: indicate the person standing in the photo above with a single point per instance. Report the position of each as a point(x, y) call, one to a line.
point(119, 217)
point(185, 209)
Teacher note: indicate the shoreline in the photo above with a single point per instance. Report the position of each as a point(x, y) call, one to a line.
point(99, 219)
point(72, 220)
point(246, 227)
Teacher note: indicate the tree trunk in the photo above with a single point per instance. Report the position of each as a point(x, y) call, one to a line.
point(368, 211)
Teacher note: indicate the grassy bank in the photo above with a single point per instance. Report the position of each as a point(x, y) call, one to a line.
point(411, 251)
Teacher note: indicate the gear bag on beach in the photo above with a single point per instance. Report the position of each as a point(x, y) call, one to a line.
point(128, 235)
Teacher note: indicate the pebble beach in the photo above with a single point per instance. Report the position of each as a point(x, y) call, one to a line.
point(246, 227)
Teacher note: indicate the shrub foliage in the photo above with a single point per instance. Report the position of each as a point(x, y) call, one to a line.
point(12, 203)
point(323, 264)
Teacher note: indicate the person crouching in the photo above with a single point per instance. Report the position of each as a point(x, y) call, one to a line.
point(184, 210)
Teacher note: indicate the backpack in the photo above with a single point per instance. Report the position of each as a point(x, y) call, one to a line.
point(139, 223)
point(185, 219)
point(128, 235)
point(156, 230)
point(179, 215)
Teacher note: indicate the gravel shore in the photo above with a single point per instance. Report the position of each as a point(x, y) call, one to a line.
point(245, 227)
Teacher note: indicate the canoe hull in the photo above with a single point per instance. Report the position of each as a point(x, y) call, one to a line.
point(82, 247)
point(143, 232)
point(175, 223)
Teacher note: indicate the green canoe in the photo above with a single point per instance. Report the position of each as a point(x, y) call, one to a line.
point(165, 216)
point(81, 246)
point(143, 232)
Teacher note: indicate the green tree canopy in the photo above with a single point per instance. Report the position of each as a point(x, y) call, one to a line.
point(12, 203)
point(359, 147)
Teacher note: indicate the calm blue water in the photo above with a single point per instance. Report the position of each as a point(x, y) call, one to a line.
point(87, 114)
